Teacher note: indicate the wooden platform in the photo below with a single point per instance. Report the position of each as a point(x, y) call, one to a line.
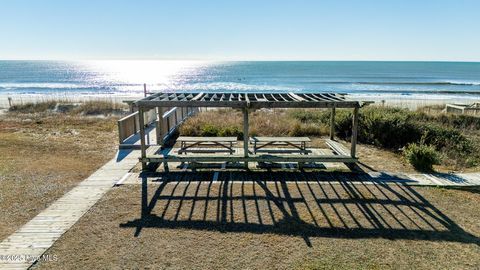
point(324, 178)
point(157, 155)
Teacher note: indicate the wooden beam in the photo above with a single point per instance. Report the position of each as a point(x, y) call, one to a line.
point(296, 97)
point(332, 124)
point(353, 149)
point(251, 158)
point(247, 103)
point(143, 147)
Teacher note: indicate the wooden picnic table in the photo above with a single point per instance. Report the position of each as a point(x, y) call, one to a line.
point(194, 144)
point(299, 144)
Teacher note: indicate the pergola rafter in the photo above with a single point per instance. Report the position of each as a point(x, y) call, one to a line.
point(249, 100)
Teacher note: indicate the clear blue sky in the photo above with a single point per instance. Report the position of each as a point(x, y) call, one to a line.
point(245, 30)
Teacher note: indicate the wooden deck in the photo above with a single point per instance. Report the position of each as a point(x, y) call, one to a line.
point(157, 155)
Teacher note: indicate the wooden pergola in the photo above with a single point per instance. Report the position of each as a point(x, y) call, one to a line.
point(247, 102)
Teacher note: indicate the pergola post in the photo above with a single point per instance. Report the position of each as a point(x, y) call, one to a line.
point(332, 123)
point(158, 127)
point(245, 134)
point(353, 148)
point(143, 147)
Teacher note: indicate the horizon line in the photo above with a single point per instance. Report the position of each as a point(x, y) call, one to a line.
point(234, 60)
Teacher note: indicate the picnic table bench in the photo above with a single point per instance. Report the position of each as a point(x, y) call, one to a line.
point(337, 148)
point(296, 144)
point(194, 144)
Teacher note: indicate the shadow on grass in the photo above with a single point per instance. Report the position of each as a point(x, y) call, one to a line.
point(304, 204)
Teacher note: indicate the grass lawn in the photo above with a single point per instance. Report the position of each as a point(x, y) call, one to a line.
point(43, 156)
point(275, 225)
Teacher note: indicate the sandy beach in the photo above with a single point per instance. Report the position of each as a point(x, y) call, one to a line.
point(386, 100)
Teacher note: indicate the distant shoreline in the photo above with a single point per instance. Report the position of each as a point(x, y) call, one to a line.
point(404, 101)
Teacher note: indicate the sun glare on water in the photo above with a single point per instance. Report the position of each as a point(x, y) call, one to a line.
point(151, 72)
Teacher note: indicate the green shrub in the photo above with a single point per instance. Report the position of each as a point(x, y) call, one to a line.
point(421, 156)
point(444, 137)
point(209, 130)
point(299, 130)
point(231, 131)
point(387, 127)
point(189, 130)
point(306, 116)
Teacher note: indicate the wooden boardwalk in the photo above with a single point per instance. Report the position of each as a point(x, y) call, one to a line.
point(289, 175)
point(21, 249)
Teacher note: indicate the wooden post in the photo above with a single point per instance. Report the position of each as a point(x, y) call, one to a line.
point(176, 116)
point(353, 148)
point(143, 147)
point(145, 90)
point(165, 124)
point(9, 102)
point(332, 124)
point(158, 127)
point(120, 132)
point(245, 134)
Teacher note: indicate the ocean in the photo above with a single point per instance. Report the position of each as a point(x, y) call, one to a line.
point(424, 80)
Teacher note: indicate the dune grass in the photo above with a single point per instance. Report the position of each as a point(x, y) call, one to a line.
point(262, 123)
point(34, 107)
point(91, 107)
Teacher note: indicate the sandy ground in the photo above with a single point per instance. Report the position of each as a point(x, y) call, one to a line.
point(275, 225)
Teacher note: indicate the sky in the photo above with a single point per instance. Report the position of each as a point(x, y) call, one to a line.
point(418, 30)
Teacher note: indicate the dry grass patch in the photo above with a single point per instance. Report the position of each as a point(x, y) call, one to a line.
point(100, 108)
point(93, 107)
point(45, 156)
point(276, 226)
point(228, 122)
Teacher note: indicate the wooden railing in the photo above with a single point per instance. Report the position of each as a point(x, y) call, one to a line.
point(128, 125)
point(171, 118)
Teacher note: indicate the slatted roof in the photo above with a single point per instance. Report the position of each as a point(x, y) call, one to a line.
point(249, 100)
